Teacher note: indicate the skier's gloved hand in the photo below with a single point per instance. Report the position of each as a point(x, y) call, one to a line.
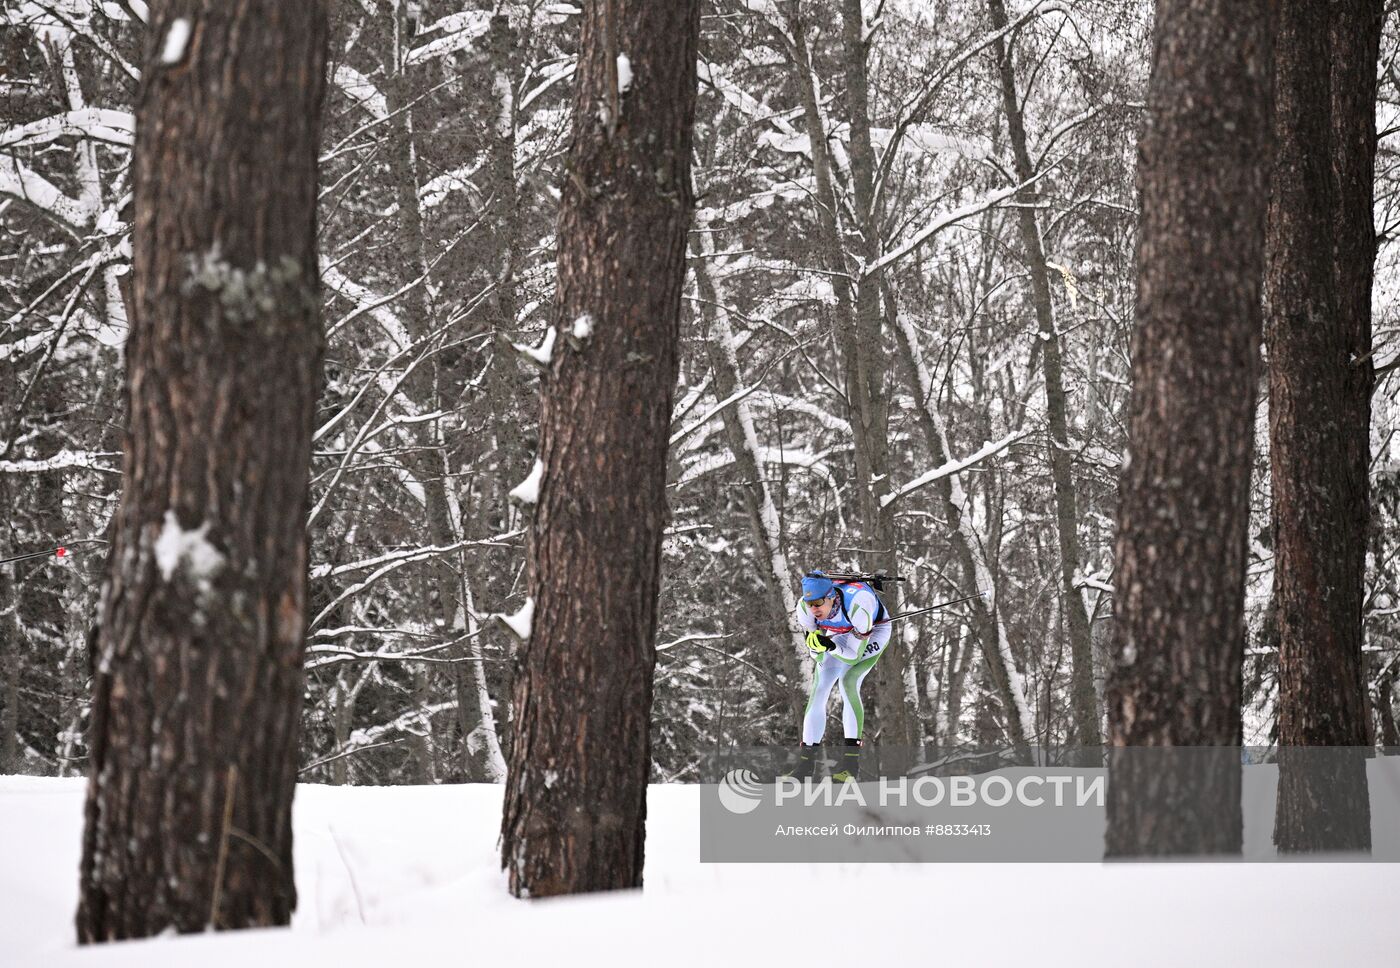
point(819, 643)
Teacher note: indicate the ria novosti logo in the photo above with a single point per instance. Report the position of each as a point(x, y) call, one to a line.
point(740, 791)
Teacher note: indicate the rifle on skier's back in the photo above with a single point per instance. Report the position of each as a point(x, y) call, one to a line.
point(877, 582)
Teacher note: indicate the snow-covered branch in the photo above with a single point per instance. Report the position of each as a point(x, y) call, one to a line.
point(944, 221)
point(989, 449)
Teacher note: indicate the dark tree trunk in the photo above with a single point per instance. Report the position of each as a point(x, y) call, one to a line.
point(1184, 503)
point(1082, 696)
point(1318, 293)
point(197, 694)
point(575, 805)
point(507, 382)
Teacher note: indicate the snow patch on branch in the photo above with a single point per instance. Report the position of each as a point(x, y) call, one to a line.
point(944, 221)
point(1096, 581)
point(989, 449)
point(98, 124)
point(19, 181)
point(928, 139)
point(361, 90)
point(455, 32)
point(64, 458)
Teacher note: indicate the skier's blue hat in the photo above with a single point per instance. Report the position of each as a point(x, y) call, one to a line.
point(816, 586)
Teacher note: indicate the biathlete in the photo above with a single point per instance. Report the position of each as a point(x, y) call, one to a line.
point(848, 630)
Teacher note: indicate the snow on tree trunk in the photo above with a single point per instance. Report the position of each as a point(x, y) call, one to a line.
point(198, 688)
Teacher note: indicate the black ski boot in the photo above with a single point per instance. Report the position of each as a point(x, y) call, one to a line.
point(849, 762)
point(807, 755)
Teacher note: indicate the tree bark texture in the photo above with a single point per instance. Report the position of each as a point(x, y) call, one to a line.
point(1184, 497)
point(1318, 297)
point(575, 805)
point(198, 688)
point(1082, 695)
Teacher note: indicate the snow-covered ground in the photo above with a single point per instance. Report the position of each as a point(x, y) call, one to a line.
point(409, 876)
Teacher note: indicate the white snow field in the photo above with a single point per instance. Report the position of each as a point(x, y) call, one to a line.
point(392, 876)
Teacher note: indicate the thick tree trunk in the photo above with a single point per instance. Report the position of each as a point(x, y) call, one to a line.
point(199, 681)
point(1318, 293)
point(1184, 502)
point(575, 805)
point(1082, 696)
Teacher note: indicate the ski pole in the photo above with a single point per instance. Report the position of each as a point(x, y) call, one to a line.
point(934, 608)
point(59, 552)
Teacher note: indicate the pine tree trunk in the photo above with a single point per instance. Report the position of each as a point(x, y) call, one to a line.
point(575, 805)
point(1184, 502)
point(1318, 293)
point(198, 688)
point(1082, 696)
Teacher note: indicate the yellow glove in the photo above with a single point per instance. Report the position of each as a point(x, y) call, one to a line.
point(817, 642)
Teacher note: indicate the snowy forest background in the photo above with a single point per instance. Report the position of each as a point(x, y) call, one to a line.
point(444, 135)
